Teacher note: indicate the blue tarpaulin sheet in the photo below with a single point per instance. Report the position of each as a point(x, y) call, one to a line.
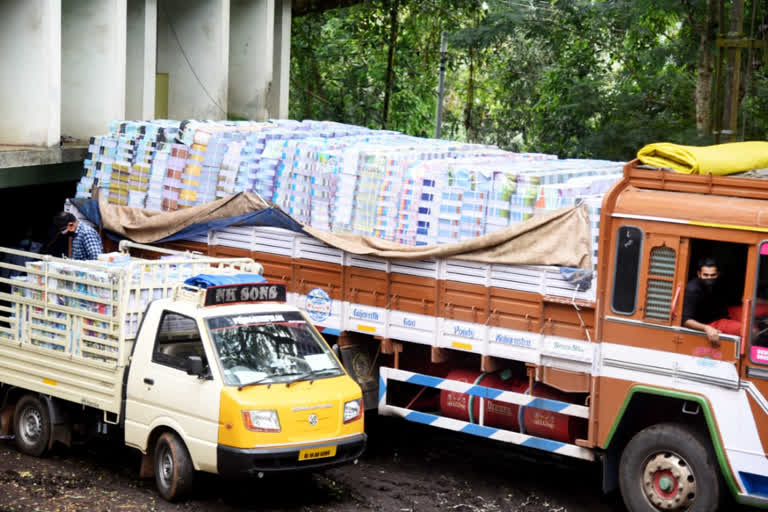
point(206, 280)
point(271, 217)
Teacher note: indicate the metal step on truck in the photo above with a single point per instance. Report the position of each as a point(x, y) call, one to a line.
point(195, 361)
point(605, 372)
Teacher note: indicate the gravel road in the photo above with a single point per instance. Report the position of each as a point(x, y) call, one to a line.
point(407, 468)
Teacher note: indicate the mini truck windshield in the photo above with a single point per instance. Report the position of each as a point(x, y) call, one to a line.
point(268, 348)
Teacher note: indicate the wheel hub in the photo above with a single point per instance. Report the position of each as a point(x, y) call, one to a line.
point(31, 425)
point(668, 482)
point(166, 466)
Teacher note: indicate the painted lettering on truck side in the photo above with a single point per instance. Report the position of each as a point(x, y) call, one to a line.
point(365, 315)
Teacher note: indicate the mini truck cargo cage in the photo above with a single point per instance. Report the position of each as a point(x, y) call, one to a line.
point(191, 359)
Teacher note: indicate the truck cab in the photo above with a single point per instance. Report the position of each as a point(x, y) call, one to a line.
point(237, 385)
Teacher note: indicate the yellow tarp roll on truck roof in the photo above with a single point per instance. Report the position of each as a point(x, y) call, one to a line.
point(720, 159)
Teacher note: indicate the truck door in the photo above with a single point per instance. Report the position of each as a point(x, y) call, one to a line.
point(162, 393)
point(755, 367)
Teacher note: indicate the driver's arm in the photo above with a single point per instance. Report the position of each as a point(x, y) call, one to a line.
point(713, 335)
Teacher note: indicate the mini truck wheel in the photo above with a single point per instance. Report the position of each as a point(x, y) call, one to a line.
point(174, 472)
point(32, 426)
point(666, 467)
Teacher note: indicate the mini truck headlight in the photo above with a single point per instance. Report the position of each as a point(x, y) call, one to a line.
point(353, 410)
point(261, 421)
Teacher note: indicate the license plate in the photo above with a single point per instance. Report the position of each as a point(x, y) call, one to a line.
point(317, 453)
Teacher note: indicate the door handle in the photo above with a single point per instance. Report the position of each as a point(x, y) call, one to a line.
point(149, 381)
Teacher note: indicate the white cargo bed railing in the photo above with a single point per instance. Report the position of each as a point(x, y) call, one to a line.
point(147, 280)
point(66, 326)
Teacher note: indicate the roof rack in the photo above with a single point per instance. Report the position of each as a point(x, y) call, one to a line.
point(752, 184)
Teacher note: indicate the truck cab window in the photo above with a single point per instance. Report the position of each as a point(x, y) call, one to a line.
point(629, 241)
point(177, 338)
point(714, 287)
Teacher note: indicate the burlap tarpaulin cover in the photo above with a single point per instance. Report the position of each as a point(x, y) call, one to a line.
point(560, 238)
point(147, 226)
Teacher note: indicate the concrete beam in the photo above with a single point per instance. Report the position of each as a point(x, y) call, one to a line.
point(30, 72)
point(93, 49)
point(193, 48)
point(277, 95)
point(29, 156)
point(251, 57)
point(141, 59)
point(40, 174)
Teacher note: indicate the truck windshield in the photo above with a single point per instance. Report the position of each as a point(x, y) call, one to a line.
point(270, 348)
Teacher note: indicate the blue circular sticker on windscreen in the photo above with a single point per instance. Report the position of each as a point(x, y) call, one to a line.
point(318, 305)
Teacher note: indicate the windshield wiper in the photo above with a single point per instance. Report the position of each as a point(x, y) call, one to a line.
point(264, 379)
point(255, 382)
point(311, 373)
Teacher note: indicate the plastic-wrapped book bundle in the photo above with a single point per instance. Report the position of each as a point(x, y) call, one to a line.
point(157, 174)
point(172, 183)
point(340, 178)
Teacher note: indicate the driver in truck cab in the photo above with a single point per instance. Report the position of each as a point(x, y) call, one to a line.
point(705, 308)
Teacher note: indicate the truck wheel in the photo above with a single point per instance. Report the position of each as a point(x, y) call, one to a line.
point(32, 426)
point(174, 472)
point(667, 467)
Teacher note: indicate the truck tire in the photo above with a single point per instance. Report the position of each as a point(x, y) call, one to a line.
point(174, 472)
point(668, 467)
point(32, 426)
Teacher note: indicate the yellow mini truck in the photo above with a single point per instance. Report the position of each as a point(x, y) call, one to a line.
point(194, 361)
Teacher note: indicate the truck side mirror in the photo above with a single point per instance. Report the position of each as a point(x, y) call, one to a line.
point(194, 365)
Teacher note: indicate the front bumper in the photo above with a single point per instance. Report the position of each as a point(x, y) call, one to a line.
point(238, 462)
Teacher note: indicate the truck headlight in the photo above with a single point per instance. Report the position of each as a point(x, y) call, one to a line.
point(353, 410)
point(261, 421)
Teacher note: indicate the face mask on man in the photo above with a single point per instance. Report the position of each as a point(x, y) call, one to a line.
point(708, 283)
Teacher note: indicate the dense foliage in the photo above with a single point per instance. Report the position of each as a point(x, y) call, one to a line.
point(582, 78)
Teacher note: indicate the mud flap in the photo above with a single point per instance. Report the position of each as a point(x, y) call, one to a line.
point(610, 460)
point(359, 361)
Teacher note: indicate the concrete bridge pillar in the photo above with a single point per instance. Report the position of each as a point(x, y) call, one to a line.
point(193, 48)
point(30, 72)
point(93, 45)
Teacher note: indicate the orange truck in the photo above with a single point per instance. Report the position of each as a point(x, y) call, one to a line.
point(609, 373)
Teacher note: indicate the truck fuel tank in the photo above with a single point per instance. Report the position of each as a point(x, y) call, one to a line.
point(536, 422)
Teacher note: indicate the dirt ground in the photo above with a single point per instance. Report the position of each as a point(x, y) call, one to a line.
point(407, 468)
